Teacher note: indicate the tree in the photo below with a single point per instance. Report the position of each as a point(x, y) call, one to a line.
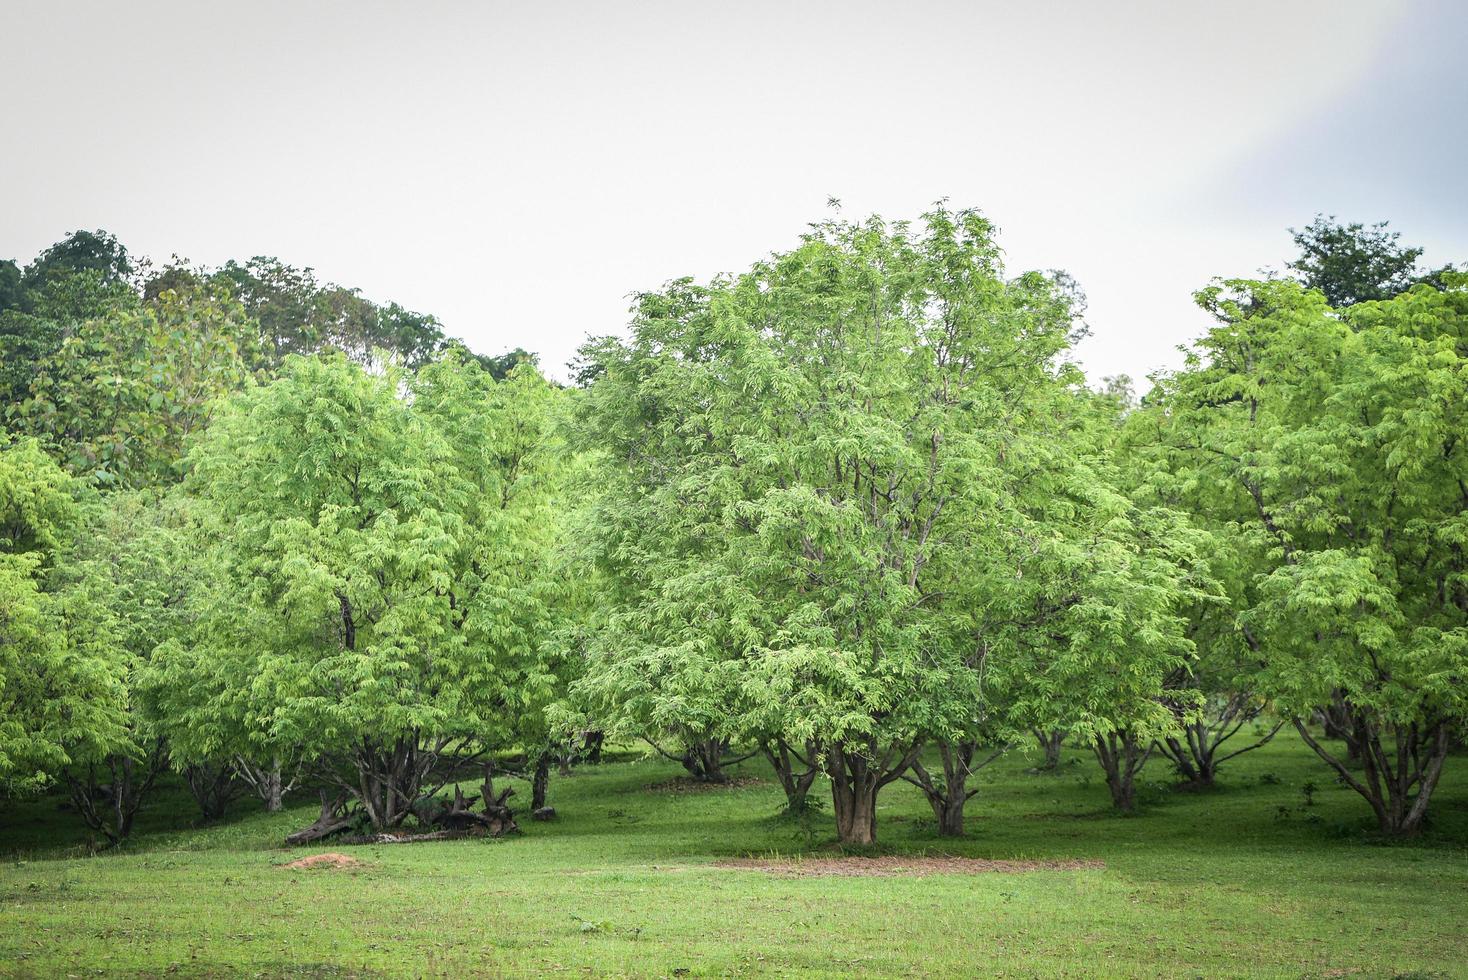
point(12, 292)
point(282, 300)
point(1334, 441)
point(507, 431)
point(132, 574)
point(1102, 629)
point(415, 337)
point(1355, 263)
point(660, 680)
point(54, 692)
point(215, 712)
point(1222, 675)
point(1050, 741)
point(500, 367)
point(64, 664)
point(385, 590)
point(122, 395)
point(821, 475)
point(87, 275)
point(97, 252)
point(1218, 693)
point(299, 315)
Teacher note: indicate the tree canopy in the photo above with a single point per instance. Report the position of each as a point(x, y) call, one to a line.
point(1354, 263)
point(1327, 445)
point(380, 552)
point(855, 509)
point(826, 479)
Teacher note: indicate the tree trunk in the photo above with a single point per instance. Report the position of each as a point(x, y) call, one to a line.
point(499, 820)
point(702, 756)
point(540, 781)
point(267, 781)
point(947, 798)
point(1192, 765)
point(1050, 743)
point(795, 782)
point(1121, 759)
point(704, 760)
point(272, 792)
point(855, 804)
point(389, 780)
point(1198, 754)
point(858, 772)
point(1337, 720)
point(109, 808)
point(457, 817)
point(1398, 783)
point(591, 746)
point(212, 786)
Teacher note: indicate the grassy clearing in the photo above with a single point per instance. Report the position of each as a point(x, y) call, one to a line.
point(1246, 880)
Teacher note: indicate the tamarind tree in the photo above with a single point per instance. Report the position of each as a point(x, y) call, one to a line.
point(1331, 444)
point(129, 576)
point(380, 538)
point(62, 696)
point(821, 480)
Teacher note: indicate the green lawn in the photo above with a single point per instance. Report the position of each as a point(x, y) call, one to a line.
point(1241, 881)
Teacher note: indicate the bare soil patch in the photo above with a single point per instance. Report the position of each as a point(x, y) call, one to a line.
point(686, 784)
point(894, 866)
point(331, 859)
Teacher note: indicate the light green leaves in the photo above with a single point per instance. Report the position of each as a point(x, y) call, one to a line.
point(855, 494)
point(378, 541)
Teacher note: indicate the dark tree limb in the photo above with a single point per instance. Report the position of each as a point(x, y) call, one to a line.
point(333, 820)
point(109, 808)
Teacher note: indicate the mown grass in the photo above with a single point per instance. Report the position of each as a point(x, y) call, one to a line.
point(1245, 880)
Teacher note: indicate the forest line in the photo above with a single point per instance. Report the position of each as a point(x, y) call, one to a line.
point(854, 509)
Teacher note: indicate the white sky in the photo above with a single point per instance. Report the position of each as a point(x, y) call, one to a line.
point(519, 169)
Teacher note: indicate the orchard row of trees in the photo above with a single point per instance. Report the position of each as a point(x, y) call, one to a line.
point(855, 510)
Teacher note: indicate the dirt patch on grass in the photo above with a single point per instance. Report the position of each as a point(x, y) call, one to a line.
point(686, 784)
point(331, 859)
point(893, 866)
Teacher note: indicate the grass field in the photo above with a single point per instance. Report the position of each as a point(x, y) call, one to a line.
point(1245, 880)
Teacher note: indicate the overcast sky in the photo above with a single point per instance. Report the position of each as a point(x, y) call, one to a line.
point(519, 169)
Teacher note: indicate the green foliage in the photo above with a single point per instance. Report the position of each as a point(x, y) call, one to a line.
point(12, 292)
point(1327, 447)
point(121, 396)
point(851, 504)
point(136, 557)
point(323, 486)
point(89, 276)
point(1354, 263)
point(41, 309)
point(61, 697)
point(853, 488)
point(97, 252)
point(378, 564)
point(299, 315)
point(500, 367)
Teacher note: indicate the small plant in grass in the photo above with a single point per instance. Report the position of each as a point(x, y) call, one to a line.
point(604, 926)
